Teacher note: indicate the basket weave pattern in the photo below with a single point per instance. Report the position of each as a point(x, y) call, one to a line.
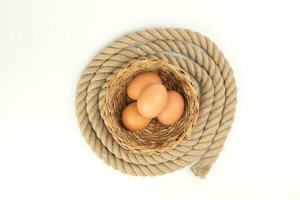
point(156, 137)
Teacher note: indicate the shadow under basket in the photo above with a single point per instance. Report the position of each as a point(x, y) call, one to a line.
point(156, 138)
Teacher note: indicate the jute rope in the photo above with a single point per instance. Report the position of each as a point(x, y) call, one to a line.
point(214, 81)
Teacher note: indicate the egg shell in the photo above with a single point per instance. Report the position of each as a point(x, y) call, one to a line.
point(140, 82)
point(173, 110)
point(131, 118)
point(152, 100)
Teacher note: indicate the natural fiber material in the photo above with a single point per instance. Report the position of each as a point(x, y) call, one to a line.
point(156, 137)
point(199, 57)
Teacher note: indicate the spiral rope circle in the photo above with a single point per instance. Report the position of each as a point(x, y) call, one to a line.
point(212, 77)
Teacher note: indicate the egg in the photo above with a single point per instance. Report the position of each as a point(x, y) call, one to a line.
point(173, 110)
point(152, 100)
point(140, 82)
point(132, 120)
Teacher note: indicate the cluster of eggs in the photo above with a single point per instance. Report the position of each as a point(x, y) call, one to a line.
point(152, 100)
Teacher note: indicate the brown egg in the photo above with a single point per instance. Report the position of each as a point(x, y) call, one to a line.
point(152, 100)
point(173, 110)
point(132, 120)
point(139, 83)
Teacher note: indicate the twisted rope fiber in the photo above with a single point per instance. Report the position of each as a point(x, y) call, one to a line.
point(214, 82)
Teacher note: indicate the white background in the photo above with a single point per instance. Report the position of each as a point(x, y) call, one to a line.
point(44, 46)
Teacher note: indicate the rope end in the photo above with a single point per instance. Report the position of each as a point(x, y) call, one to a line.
point(200, 171)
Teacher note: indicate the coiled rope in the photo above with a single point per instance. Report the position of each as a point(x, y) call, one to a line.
point(213, 77)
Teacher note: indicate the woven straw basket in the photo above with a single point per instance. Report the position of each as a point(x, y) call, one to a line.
point(156, 137)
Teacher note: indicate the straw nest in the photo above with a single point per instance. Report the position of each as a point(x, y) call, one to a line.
point(156, 137)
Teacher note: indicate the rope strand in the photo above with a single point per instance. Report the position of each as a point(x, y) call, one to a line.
point(215, 84)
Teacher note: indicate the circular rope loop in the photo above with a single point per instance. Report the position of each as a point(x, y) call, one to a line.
point(214, 82)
